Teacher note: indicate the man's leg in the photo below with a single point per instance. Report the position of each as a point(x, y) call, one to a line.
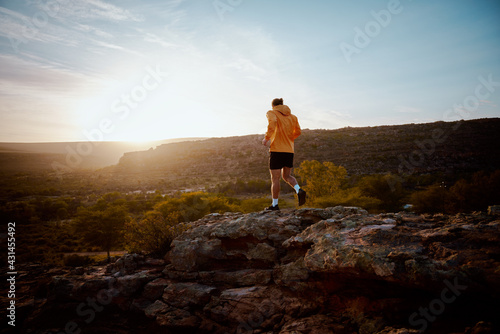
point(275, 188)
point(275, 185)
point(286, 173)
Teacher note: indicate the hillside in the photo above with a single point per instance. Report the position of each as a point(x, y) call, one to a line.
point(442, 147)
point(33, 157)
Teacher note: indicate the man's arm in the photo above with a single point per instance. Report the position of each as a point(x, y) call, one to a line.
point(271, 127)
point(297, 131)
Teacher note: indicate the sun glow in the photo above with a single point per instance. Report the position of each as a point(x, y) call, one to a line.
point(122, 110)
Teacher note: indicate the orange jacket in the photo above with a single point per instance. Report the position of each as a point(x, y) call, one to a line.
point(282, 130)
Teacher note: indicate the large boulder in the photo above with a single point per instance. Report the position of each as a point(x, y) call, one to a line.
point(334, 270)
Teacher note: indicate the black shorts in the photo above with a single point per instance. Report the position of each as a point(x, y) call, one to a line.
point(278, 160)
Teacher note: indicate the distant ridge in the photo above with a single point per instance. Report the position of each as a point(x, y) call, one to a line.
point(439, 147)
point(59, 147)
point(39, 156)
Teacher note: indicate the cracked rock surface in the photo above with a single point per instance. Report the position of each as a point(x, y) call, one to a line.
point(334, 270)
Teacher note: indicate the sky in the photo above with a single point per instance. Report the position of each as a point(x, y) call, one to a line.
point(74, 70)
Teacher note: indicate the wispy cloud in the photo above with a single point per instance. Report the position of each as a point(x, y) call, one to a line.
point(61, 30)
point(89, 10)
point(153, 38)
point(19, 29)
point(85, 28)
point(20, 77)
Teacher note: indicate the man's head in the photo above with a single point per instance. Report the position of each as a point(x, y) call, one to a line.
point(277, 102)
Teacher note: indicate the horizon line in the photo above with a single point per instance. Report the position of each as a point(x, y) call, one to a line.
point(138, 142)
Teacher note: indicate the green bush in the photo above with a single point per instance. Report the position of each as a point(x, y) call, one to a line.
point(434, 199)
point(193, 206)
point(347, 197)
point(321, 179)
point(153, 234)
point(388, 189)
point(475, 194)
point(254, 204)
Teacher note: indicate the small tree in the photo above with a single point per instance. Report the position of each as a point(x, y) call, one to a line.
point(322, 179)
point(102, 228)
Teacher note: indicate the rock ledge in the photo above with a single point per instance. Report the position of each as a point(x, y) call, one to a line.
point(334, 270)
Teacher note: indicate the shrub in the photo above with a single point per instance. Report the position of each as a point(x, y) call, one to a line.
point(386, 188)
point(254, 204)
point(434, 199)
point(193, 206)
point(348, 197)
point(321, 179)
point(152, 234)
point(475, 194)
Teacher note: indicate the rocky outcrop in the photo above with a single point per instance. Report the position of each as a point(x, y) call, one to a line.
point(334, 270)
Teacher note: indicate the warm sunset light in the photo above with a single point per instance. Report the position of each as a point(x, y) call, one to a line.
point(167, 69)
point(250, 166)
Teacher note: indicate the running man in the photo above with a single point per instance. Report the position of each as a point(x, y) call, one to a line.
point(282, 130)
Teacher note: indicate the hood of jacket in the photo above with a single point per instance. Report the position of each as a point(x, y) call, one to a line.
point(283, 109)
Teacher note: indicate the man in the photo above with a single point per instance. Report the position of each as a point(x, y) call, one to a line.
point(282, 130)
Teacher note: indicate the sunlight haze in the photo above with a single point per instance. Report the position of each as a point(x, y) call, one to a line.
point(151, 70)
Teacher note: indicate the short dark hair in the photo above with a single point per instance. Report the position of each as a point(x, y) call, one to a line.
point(277, 102)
